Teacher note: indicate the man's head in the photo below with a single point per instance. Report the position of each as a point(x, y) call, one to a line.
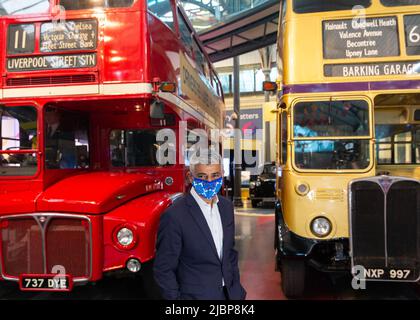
point(206, 166)
point(52, 116)
point(206, 174)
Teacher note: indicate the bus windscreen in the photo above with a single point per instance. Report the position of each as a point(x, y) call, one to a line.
point(331, 119)
point(18, 140)
point(312, 6)
point(134, 148)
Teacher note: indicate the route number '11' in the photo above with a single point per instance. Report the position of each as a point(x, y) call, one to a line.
point(17, 36)
point(21, 38)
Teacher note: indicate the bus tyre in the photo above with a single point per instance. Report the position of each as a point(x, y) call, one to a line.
point(293, 274)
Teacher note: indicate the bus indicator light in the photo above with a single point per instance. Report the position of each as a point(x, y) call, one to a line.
point(302, 189)
point(269, 86)
point(168, 87)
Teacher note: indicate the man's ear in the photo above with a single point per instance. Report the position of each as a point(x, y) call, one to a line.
point(189, 177)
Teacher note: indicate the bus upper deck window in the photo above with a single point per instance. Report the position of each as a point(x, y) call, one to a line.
point(417, 115)
point(94, 4)
point(185, 32)
point(163, 10)
point(312, 6)
point(396, 3)
point(10, 8)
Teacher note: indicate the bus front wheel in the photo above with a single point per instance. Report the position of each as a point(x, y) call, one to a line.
point(293, 273)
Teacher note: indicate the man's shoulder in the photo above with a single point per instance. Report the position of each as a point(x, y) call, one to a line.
point(178, 207)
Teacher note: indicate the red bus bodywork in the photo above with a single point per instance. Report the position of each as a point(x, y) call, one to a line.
point(70, 216)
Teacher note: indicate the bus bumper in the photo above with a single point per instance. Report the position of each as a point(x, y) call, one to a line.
point(323, 255)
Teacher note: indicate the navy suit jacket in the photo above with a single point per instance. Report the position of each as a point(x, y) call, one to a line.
point(187, 265)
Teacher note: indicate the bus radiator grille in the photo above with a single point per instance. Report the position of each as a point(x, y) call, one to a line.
point(385, 224)
point(60, 244)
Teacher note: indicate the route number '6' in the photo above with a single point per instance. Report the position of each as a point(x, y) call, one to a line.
point(414, 35)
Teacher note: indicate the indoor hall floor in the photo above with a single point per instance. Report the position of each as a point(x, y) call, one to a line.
point(254, 242)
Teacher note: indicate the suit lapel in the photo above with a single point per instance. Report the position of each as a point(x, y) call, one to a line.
point(199, 218)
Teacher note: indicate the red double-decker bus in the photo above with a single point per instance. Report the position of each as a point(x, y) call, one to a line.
point(86, 86)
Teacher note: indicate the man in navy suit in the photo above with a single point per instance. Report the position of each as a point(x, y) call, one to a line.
point(195, 255)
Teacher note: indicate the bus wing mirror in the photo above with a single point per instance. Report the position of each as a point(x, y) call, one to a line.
point(270, 86)
point(156, 110)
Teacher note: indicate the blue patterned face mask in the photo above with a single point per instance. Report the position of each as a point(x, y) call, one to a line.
point(207, 189)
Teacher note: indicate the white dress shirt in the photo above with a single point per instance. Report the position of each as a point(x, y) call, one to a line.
point(212, 215)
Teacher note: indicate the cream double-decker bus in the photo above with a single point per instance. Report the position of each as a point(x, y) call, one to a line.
point(348, 140)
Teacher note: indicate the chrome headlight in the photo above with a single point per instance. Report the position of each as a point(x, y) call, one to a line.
point(258, 183)
point(321, 227)
point(125, 237)
point(252, 185)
